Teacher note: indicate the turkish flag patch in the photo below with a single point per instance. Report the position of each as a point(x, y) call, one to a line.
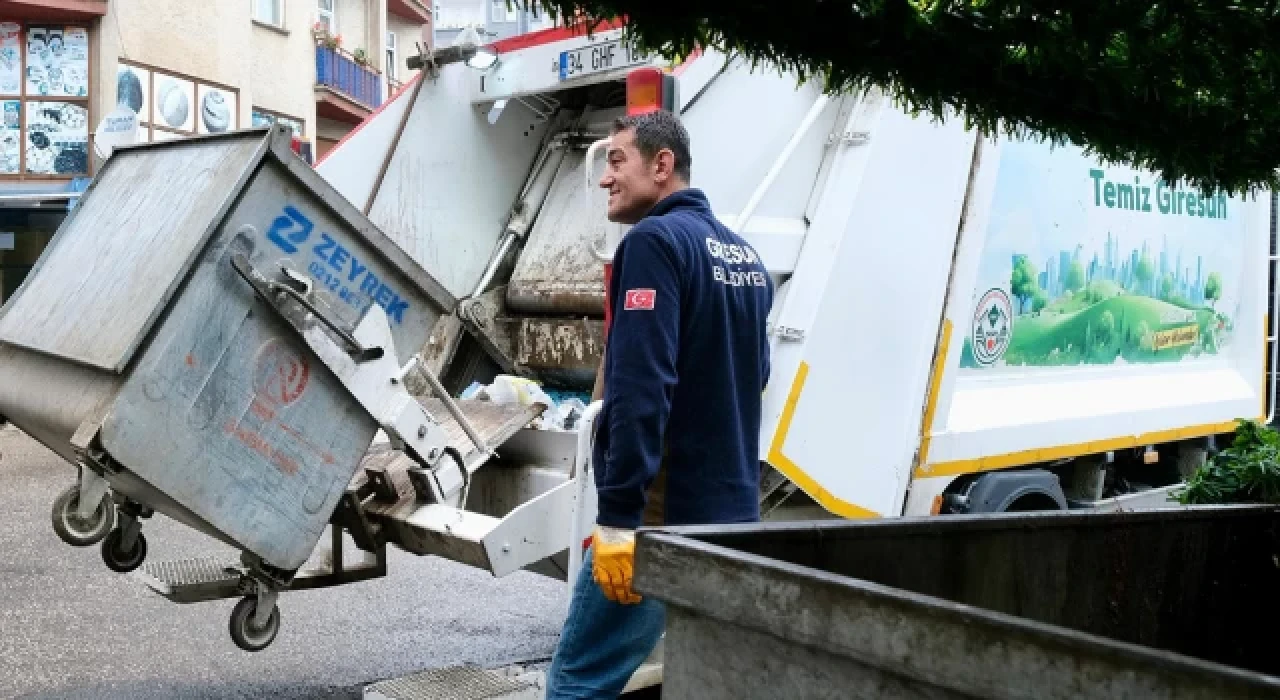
point(640, 300)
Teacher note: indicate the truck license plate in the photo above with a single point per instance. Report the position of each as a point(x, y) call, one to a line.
point(598, 58)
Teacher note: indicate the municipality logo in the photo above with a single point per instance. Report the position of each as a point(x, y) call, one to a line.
point(992, 327)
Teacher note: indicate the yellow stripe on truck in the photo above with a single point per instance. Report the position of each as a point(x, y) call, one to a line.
point(1049, 454)
point(935, 386)
point(793, 472)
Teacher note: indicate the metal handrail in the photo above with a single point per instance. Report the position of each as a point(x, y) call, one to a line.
point(596, 250)
point(338, 70)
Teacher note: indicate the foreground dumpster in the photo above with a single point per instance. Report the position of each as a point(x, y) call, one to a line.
point(1159, 604)
point(217, 335)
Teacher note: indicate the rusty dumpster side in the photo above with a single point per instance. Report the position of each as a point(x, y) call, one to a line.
point(1161, 604)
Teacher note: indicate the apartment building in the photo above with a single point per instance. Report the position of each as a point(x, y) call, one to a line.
point(492, 19)
point(185, 67)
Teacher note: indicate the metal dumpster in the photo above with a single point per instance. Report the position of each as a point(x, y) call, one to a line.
point(140, 346)
point(1160, 604)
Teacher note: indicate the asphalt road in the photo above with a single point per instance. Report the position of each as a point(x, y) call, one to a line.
point(70, 628)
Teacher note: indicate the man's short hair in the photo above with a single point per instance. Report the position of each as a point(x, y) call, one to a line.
point(658, 130)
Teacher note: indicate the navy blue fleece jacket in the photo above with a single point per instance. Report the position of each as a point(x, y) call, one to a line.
point(686, 362)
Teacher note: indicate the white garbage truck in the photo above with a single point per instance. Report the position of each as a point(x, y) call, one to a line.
point(964, 323)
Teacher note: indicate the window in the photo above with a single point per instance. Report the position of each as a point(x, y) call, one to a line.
point(44, 110)
point(262, 117)
point(325, 16)
point(269, 12)
point(170, 105)
point(391, 55)
point(501, 13)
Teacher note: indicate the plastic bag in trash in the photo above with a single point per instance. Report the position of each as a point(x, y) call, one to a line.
point(507, 389)
point(563, 408)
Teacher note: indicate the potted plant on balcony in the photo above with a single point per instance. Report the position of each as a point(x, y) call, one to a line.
point(361, 57)
point(324, 38)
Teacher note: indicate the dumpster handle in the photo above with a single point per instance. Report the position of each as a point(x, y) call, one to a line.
point(261, 285)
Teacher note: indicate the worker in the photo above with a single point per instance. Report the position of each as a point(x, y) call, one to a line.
point(686, 361)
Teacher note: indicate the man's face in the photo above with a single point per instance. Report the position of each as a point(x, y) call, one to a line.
point(634, 183)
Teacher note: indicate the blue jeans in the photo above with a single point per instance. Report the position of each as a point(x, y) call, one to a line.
point(602, 643)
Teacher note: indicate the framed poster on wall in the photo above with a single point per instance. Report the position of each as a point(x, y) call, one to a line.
point(57, 62)
point(10, 137)
point(57, 138)
point(133, 90)
point(10, 59)
point(174, 106)
point(218, 109)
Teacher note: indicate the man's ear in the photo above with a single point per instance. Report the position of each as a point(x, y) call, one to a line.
point(664, 165)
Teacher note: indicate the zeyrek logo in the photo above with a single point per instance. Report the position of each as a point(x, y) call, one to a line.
point(336, 268)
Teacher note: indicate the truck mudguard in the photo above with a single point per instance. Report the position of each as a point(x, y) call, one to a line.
point(996, 491)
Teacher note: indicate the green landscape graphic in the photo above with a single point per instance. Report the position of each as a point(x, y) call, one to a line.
point(1085, 265)
point(1104, 322)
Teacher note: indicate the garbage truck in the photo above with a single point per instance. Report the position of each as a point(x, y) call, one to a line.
point(282, 356)
point(964, 323)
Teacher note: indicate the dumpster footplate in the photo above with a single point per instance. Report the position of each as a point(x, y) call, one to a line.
point(192, 580)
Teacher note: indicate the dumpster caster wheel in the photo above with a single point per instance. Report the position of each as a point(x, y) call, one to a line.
point(253, 634)
point(117, 558)
point(75, 530)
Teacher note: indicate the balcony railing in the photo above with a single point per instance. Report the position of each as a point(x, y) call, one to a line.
point(338, 70)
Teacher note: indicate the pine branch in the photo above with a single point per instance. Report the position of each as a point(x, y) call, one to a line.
point(1187, 88)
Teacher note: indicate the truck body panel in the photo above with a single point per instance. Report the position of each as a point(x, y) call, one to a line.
point(1159, 367)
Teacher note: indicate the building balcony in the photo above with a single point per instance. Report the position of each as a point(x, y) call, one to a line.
point(54, 10)
point(345, 90)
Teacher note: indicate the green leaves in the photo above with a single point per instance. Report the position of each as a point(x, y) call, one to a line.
point(1246, 472)
point(1186, 88)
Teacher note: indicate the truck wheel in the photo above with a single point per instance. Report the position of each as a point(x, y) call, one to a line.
point(117, 558)
point(1033, 502)
point(77, 531)
point(246, 633)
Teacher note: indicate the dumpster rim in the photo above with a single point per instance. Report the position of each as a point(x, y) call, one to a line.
point(683, 589)
point(973, 522)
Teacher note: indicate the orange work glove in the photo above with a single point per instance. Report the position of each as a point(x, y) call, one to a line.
point(614, 563)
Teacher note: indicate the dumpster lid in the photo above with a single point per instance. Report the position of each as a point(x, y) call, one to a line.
point(119, 257)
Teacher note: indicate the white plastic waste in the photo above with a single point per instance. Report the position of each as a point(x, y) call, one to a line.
point(506, 389)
